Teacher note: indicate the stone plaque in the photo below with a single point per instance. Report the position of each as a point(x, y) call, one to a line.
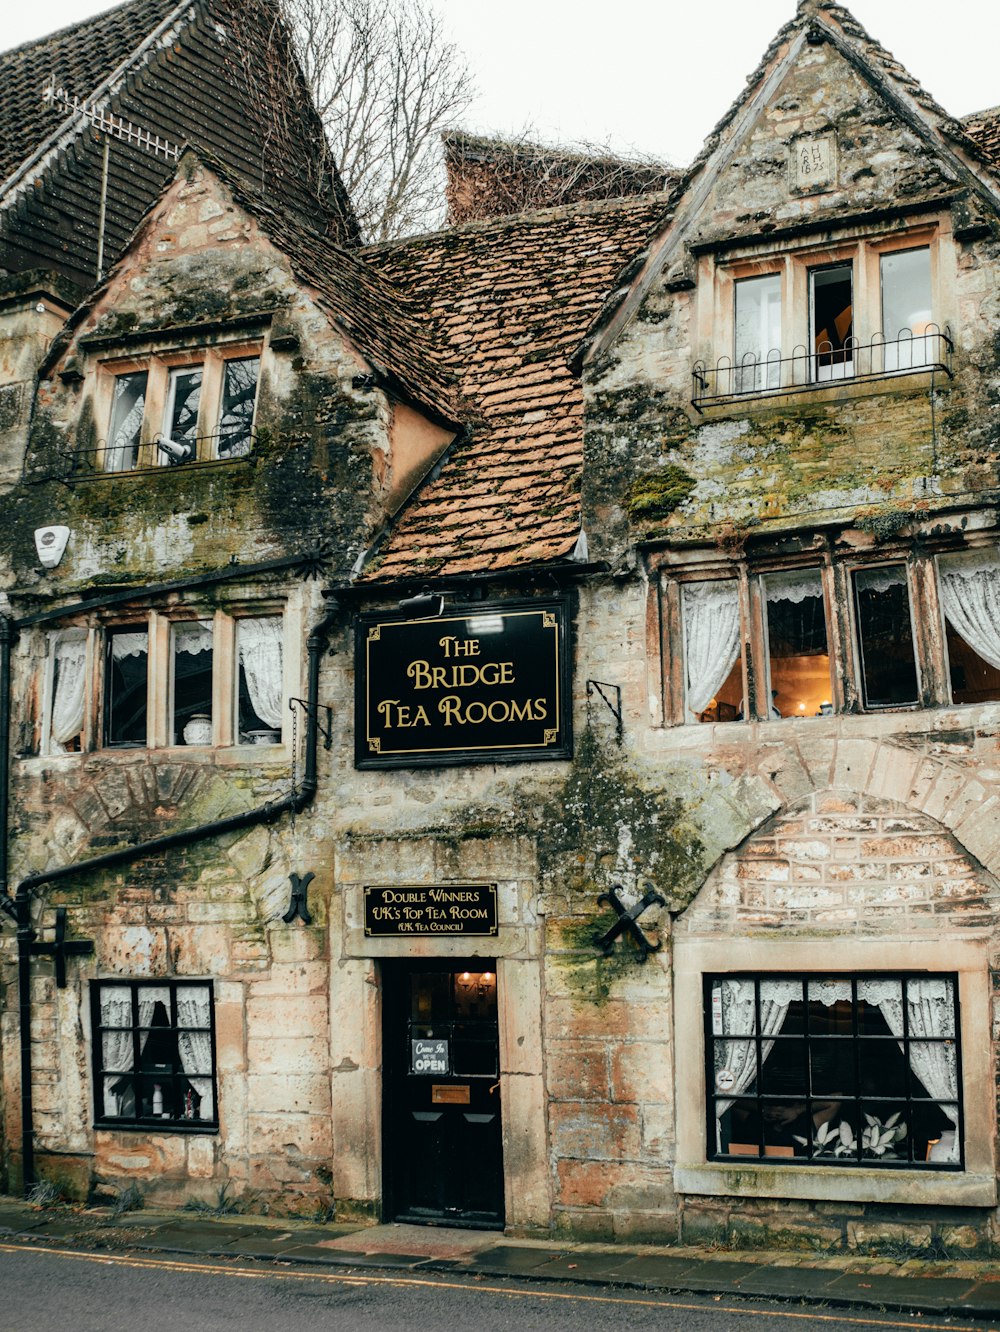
point(813, 163)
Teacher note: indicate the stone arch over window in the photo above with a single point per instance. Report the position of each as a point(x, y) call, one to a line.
point(846, 862)
point(943, 776)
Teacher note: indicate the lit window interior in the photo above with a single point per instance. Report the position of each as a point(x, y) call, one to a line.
point(798, 652)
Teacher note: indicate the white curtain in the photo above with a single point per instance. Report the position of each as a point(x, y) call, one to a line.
point(970, 596)
point(930, 1010)
point(129, 645)
point(260, 657)
point(116, 1049)
point(795, 586)
point(738, 1057)
point(120, 454)
point(711, 639)
point(69, 680)
point(930, 1013)
point(195, 1046)
point(193, 636)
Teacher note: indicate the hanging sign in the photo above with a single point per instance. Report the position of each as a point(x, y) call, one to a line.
point(451, 908)
point(429, 1057)
point(488, 683)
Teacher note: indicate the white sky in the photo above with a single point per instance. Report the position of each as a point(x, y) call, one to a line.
point(645, 77)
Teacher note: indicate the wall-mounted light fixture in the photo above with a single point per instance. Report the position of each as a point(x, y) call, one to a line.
point(176, 452)
point(424, 606)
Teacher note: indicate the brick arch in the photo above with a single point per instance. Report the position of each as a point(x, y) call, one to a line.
point(937, 778)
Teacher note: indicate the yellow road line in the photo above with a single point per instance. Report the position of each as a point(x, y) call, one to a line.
point(536, 1293)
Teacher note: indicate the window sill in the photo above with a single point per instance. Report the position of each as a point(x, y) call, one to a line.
point(250, 756)
point(154, 1129)
point(848, 386)
point(76, 477)
point(838, 1184)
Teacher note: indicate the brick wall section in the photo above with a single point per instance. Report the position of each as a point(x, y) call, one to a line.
point(847, 863)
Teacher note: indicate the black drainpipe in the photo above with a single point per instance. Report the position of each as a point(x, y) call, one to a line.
point(19, 907)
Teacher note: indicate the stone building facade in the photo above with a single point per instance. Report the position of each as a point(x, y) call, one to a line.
point(431, 611)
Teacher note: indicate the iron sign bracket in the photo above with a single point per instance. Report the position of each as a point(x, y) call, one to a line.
point(614, 708)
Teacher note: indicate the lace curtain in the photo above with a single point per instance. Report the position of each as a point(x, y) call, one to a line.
point(129, 645)
point(970, 596)
point(193, 636)
point(260, 657)
point(711, 639)
point(930, 1013)
point(738, 1019)
point(116, 1046)
point(69, 680)
point(795, 586)
point(194, 1011)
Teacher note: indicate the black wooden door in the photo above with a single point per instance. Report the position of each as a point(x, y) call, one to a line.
point(441, 1115)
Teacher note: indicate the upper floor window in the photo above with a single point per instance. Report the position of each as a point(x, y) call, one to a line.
point(168, 411)
point(850, 312)
point(166, 682)
point(878, 661)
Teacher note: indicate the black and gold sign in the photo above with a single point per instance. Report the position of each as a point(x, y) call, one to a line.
point(487, 684)
point(450, 908)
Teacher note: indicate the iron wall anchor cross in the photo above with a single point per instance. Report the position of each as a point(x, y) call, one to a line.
point(298, 905)
point(626, 921)
point(60, 948)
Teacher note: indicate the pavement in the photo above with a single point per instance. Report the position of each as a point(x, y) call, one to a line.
point(922, 1285)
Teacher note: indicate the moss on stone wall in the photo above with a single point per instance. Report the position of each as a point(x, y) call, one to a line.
point(655, 495)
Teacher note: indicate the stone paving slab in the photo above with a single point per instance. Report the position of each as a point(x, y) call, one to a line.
point(655, 1273)
point(937, 1293)
point(199, 1236)
point(510, 1260)
point(273, 1244)
point(600, 1267)
point(790, 1283)
point(982, 1300)
point(714, 1275)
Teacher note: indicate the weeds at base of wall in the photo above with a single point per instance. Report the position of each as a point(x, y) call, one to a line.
point(45, 1194)
point(226, 1204)
point(129, 1199)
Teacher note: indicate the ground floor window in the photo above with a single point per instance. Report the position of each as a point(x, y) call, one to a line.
point(154, 1054)
point(835, 1069)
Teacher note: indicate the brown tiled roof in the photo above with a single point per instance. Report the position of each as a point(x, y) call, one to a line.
point(507, 301)
point(359, 299)
point(983, 127)
point(77, 58)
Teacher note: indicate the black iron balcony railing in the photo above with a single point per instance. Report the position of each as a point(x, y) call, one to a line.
point(129, 459)
point(930, 350)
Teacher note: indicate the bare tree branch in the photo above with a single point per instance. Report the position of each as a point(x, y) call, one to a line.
point(387, 83)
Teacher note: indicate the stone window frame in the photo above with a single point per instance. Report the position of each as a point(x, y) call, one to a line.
point(157, 365)
point(836, 567)
point(158, 622)
point(795, 259)
point(975, 1185)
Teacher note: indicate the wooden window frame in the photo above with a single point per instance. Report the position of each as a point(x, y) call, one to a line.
point(158, 366)
point(934, 689)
